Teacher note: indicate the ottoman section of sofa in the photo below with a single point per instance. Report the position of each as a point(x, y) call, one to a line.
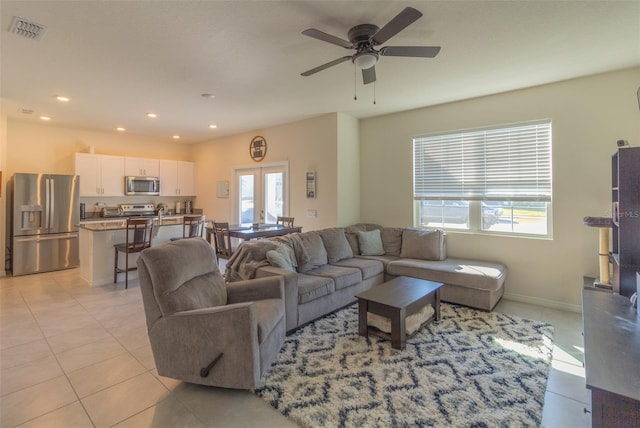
point(475, 283)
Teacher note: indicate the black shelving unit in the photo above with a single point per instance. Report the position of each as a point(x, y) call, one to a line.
point(625, 197)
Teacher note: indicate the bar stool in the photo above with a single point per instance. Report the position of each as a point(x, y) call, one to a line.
point(285, 221)
point(138, 238)
point(192, 226)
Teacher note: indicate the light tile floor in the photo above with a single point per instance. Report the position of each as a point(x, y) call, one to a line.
point(72, 355)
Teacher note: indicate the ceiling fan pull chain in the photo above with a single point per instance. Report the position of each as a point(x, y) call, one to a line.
point(374, 93)
point(355, 85)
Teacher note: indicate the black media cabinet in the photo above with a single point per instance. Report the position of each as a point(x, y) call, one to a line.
point(612, 358)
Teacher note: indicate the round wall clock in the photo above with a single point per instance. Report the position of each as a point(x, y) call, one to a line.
point(258, 148)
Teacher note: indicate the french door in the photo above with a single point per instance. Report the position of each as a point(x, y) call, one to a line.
point(261, 193)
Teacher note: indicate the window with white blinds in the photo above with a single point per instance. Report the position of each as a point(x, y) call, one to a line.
point(492, 180)
point(510, 163)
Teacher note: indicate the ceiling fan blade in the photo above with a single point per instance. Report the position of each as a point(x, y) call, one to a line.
point(413, 51)
point(369, 75)
point(325, 66)
point(402, 20)
point(321, 35)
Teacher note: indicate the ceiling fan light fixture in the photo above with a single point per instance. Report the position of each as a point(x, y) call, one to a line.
point(365, 60)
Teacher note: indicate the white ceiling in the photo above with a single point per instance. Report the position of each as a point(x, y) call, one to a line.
point(118, 60)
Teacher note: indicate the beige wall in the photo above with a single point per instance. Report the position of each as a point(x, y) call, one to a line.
point(348, 170)
point(42, 148)
point(308, 145)
point(588, 116)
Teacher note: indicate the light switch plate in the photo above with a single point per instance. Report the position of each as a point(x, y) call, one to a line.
point(312, 213)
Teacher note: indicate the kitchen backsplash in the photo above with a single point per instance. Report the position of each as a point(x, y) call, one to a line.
point(94, 204)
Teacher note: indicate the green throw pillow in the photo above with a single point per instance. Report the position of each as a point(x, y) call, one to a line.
point(370, 243)
point(280, 258)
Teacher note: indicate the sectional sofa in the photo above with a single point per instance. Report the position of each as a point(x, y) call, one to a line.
point(324, 270)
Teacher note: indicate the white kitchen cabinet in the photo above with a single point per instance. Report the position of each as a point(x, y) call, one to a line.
point(100, 175)
point(177, 178)
point(142, 167)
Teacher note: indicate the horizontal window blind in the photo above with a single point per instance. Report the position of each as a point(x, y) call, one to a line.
point(507, 163)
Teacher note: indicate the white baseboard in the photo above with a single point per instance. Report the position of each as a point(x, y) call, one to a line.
point(542, 302)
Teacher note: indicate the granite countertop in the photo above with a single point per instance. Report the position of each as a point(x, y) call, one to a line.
point(115, 224)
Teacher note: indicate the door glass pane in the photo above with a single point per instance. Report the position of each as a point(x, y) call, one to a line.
point(246, 198)
point(273, 196)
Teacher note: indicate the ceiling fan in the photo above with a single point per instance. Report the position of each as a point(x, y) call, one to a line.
point(365, 37)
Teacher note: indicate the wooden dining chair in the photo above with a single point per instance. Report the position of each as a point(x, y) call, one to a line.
point(192, 226)
point(285, 221)
point(222, 240)
point(138, 237)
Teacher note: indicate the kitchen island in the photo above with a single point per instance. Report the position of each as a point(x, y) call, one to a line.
point(97, 239)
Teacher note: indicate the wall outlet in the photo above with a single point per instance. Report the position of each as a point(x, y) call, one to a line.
point(312, 213)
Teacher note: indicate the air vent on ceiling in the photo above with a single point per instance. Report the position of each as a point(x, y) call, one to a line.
point(25, 110)
point(25, 28)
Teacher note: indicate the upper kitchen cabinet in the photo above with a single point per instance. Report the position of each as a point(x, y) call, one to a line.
point(177, 178)
point(142, 167)
point(100, 175)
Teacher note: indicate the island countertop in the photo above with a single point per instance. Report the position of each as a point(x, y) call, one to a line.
point(116, 224)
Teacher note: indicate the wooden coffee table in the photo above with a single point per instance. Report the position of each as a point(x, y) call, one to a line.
point(396, 300)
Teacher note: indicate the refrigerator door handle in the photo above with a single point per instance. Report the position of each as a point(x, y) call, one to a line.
point(52, 203)
point(47, 201)
point(46, 237)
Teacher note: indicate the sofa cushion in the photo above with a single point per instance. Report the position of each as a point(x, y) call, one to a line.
point(391, 240)
point(313, 287)
point(336, 244)
point(178, 289)
point(465, 273)
point(368, 268)
point(385, 260)
point(370, 243)
point(316, 252)
point(342, 277)
point(423, 244)
point(281, 258)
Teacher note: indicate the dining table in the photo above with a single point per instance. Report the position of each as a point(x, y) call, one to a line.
point(250, 231)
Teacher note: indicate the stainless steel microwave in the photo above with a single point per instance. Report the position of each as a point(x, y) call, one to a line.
point(142, 186)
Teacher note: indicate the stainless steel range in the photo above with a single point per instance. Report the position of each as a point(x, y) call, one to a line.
point(137, 210)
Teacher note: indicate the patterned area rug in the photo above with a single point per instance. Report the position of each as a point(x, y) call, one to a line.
point(472, 368)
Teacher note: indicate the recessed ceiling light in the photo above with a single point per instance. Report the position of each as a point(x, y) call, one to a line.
point(45, 118)
point(213, 126)
point(120, 128)
point(63, 99)
point(210, 96)
point(152, 115)
point(176, 137)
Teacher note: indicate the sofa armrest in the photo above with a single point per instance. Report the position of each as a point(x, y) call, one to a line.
point(186, 342)
point(255, 289)
point(290, 291)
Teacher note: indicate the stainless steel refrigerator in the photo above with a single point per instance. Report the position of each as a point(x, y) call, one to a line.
point(44, 213)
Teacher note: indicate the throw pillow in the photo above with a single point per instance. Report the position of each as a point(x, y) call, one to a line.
point(336, 244)
point(370, 243)
point(280, 258)
point(423, 244)
point(315, 249)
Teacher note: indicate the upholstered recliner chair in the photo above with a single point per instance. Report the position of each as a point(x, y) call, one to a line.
point(201, 330)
